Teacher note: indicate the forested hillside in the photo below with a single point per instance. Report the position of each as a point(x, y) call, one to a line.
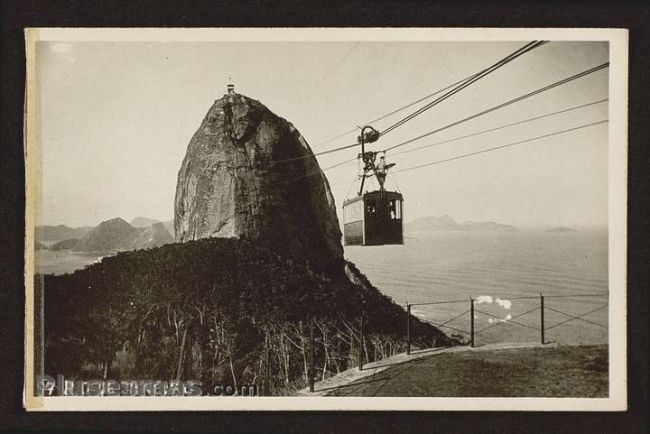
point(211, 310)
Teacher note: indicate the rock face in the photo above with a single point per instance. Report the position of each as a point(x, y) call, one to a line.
point(250, 174)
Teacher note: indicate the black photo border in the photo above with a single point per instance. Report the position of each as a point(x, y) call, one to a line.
point(16, 15)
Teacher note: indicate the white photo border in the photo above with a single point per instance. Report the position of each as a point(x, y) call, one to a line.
point(618, 88)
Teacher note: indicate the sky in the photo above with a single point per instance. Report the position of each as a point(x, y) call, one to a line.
point(116, 119)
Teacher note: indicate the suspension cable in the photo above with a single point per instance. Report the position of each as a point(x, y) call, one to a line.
point(505, 104)
point(523, 50)
point(406, 151)
point(484, 151)
point(456, 87)
point(467, 119)
point(397, 110)
point(458, 157)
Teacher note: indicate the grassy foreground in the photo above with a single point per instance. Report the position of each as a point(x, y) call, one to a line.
point(570, 371)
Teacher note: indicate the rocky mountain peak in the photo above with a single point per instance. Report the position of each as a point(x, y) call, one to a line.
point(250, 174)
point(117, 223)
point(116, 235)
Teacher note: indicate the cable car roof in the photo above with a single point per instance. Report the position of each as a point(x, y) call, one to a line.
point(375, 195)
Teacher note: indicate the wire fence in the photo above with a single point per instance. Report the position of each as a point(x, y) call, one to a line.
point(481, 320)
point(488, 319)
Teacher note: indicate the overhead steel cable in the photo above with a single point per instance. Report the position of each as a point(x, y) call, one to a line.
point(317, 171)
point(502, 105)
point(457, 86)
point(520, 52)
point(484, 151)
point(469, 118)
point(397, 110)
point(336, 65)
point(355, 129)
point(329, 151)
point(478, 133)
point(344, 162)
point(340, 163)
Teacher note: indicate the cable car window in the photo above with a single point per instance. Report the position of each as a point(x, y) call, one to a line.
point(353, 212)
point(371, 208)
point(392, 206)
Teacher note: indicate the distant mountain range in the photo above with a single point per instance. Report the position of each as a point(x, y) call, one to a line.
point(60, 232)
point(110, 235)
point(145, 222)
point(143, 232)
point(446, 223)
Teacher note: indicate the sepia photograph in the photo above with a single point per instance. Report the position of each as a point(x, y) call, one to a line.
point(325, 219)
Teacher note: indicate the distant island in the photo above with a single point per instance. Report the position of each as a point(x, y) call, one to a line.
point(560, 230)
point(446, 223)
point(109, 236)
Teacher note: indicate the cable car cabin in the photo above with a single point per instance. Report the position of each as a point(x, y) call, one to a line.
point(373, 219)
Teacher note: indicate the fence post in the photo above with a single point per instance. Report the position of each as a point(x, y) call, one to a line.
point(311, 355)
point(408, 329)
point(361, 343)
point(471, 321)
point(267, 388)
point(541, 316)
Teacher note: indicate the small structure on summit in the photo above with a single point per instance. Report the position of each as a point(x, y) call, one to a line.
point(373, 217)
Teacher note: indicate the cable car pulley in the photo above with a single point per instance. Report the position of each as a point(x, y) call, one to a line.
point(374, 217)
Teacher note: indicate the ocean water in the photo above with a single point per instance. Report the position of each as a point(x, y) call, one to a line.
point(497, 269)
point(63, 261)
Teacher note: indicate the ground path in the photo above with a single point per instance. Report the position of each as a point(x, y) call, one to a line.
point(496, 370)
